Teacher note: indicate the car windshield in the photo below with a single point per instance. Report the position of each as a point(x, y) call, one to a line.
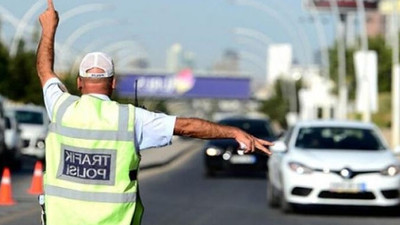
point(338, 138)
point(258, 128)
point(29, 117)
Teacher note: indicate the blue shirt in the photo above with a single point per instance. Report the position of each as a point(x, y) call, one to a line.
point(151, 129)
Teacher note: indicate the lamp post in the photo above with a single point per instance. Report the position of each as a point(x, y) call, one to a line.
point(322, 40)
point(395, 76)
point(364, 48)
point(341, 48)
point(8, 16)
point(289, 28)
point(66, 47)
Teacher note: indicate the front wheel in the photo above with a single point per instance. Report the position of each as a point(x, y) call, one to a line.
point(272, 195)
point(286, 206)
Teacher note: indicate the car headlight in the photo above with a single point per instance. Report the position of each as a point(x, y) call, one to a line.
point(299, 168)
point(391, 170)
point(212, 151)
point(40, 144)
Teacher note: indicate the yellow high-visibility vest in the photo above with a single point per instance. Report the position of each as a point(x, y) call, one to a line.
point(91, 164)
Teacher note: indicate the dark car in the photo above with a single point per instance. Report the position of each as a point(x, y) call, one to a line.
point(224, 154)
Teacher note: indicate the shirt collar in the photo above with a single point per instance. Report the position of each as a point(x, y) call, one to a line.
point(101, 96)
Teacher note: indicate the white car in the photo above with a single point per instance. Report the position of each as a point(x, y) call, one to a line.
point(332, 163)
point(33, 122)
point(13, 140)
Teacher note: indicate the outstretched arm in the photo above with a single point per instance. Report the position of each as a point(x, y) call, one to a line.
point(199, 128)
point(45, 52)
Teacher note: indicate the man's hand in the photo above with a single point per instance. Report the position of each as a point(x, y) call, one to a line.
point(49, 19)
point(199, 128)
point(249, 143)
point(45, 52)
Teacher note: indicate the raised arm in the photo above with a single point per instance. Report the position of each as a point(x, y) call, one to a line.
point(199, 128)
point(45, 52)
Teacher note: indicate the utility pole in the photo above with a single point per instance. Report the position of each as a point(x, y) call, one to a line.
point(366, 115)
point(342, 67)
point(395, 77)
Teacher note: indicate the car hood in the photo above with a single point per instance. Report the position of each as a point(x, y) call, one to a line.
point(28, 130)
point(223, 143)
point(339, 159)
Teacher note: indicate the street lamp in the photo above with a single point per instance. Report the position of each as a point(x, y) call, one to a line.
point(8, 16)
point(66, 47)
point(320, 35)
point(255, 34)
point(294, 33)
point(395, 76)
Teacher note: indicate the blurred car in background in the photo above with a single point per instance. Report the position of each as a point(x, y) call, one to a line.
point(33, 122)
point(332, 163)
point(223, 154)
point(13, 142)
point(2, 129)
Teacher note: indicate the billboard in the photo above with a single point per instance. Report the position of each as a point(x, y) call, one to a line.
point(366, 68)
point(184, 85)
point(279, 62)
point(343, 5)
point(387, 7)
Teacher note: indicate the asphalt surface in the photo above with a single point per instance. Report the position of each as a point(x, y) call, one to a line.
point(178, 192)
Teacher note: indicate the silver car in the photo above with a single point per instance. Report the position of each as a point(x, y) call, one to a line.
point(33, 122)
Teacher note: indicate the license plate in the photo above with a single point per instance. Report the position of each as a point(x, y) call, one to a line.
point(347, 187)
point(243, 159)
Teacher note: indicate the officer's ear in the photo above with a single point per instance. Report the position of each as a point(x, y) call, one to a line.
point(113, 84)
point(79, 83)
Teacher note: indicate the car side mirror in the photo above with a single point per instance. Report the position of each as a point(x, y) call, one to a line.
point(279, 146)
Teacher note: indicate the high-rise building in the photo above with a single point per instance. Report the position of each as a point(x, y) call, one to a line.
point(178, 58)
point(174, 57)
point(229, 62)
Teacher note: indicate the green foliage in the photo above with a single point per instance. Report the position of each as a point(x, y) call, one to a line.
point(20, 81)
point(384, 63)
point(277, 106)
point(4, 64)
point(384, 54)
point(383, 117)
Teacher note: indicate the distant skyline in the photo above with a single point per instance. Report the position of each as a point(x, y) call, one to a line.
point(205, 28)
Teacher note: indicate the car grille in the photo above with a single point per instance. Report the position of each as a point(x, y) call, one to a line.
point(390, 194)
point(344, 195)
point(301, 191)
point(25, 143)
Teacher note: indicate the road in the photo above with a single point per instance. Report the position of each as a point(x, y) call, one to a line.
point(179, 193)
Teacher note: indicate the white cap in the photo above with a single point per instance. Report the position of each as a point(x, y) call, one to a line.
point(96, 60)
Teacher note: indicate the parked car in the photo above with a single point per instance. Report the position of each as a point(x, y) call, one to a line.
point(13, 141)
point(332, 163)
point(223, 154)
point(33, 122)
point(2, 128)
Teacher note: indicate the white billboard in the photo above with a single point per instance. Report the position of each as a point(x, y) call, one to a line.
point(366, 69)
point(279, 62)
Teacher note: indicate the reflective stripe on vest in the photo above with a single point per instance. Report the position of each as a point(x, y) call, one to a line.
point(90, 196)
point(122, 134)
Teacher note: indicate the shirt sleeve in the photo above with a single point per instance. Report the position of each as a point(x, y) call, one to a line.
point(52, 90)
point(153, 129)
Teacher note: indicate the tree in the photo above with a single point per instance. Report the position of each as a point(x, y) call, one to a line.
point(23, 84)
point(4, 73)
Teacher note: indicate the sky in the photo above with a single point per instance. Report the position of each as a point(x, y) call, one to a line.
point(204, 27)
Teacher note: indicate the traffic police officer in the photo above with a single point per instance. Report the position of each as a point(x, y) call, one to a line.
point(92, 149)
